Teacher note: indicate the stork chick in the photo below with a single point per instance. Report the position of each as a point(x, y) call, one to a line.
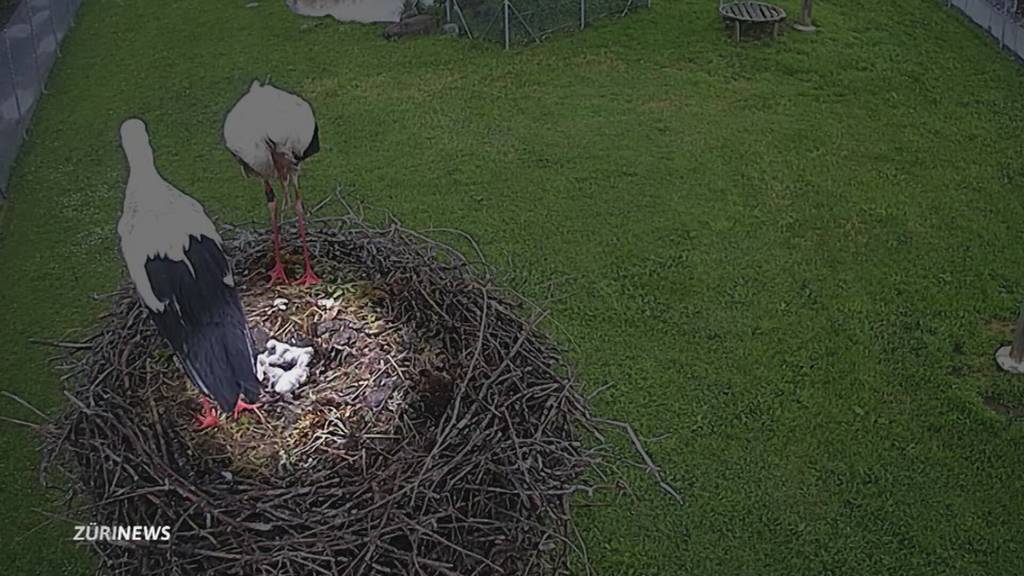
point(271, 132)
point(284, 367)
point(176, 261)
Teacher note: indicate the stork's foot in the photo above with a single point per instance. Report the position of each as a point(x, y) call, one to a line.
point(277, 275)
point(309, 278)
point(243, 406)
point(207, 417)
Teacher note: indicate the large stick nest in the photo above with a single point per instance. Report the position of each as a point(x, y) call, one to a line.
point(439, 432)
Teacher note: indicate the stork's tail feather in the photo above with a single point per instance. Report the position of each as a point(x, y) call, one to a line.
point(314, 143)
point(219, 360)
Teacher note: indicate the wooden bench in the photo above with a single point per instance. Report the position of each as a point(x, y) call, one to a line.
point(751, 13)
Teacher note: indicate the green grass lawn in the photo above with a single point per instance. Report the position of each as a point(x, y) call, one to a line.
point(789, 256)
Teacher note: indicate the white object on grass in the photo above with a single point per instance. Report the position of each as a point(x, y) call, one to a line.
point(366, 11)
point(1005, 361)
point(1011, 358)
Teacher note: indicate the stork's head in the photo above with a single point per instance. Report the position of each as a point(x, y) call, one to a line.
point(135, 143)
point(133, 134)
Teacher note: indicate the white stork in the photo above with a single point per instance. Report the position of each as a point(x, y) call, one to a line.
point(175, 259)
point(271, 132)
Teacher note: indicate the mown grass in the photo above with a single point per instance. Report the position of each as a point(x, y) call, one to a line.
point(786, 255)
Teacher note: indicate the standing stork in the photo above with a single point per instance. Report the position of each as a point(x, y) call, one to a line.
point(175, 259)
point(271, 132)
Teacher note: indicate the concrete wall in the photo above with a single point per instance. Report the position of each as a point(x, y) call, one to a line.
point(29, 44)
point(995, 20)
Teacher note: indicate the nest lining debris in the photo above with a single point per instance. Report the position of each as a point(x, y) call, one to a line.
point(439, 432)
point(364, 373)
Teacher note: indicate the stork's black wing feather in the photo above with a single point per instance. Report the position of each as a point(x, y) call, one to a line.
point(314, 143)
point(204, 322)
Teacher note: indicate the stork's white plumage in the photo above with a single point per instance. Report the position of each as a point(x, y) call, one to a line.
point(175, 259)
point(271, 132)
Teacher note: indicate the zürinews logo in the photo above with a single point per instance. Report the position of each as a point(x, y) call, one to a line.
point(95, 533)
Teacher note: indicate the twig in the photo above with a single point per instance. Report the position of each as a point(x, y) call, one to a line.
point(652, 469)
point(59, 344)
point(24, 403)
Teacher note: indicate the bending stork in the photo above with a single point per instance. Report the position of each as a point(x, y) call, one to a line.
point(271, 132)
point(174, 257)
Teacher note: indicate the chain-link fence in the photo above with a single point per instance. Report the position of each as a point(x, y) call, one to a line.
point(30, 43)
point(514, 22)
point(1003, 19)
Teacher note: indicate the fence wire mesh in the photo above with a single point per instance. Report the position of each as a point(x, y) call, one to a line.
point(29, 45)
point(1013, 8)
point(517, 22)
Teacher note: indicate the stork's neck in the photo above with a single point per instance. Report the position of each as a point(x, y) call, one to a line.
point(144, 182)
point(140, 160)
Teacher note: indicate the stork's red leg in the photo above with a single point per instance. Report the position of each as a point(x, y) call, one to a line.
point(309, 277)
point(243, 406)
point(277, 274)
point(207, 417)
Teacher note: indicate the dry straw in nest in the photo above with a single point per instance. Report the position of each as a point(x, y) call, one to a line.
point(474, 473)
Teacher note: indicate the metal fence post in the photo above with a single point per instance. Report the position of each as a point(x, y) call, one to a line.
point(35, 44)
point(1002, 33)
point(53, 29)
point(507, 26)
point(583, 14)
